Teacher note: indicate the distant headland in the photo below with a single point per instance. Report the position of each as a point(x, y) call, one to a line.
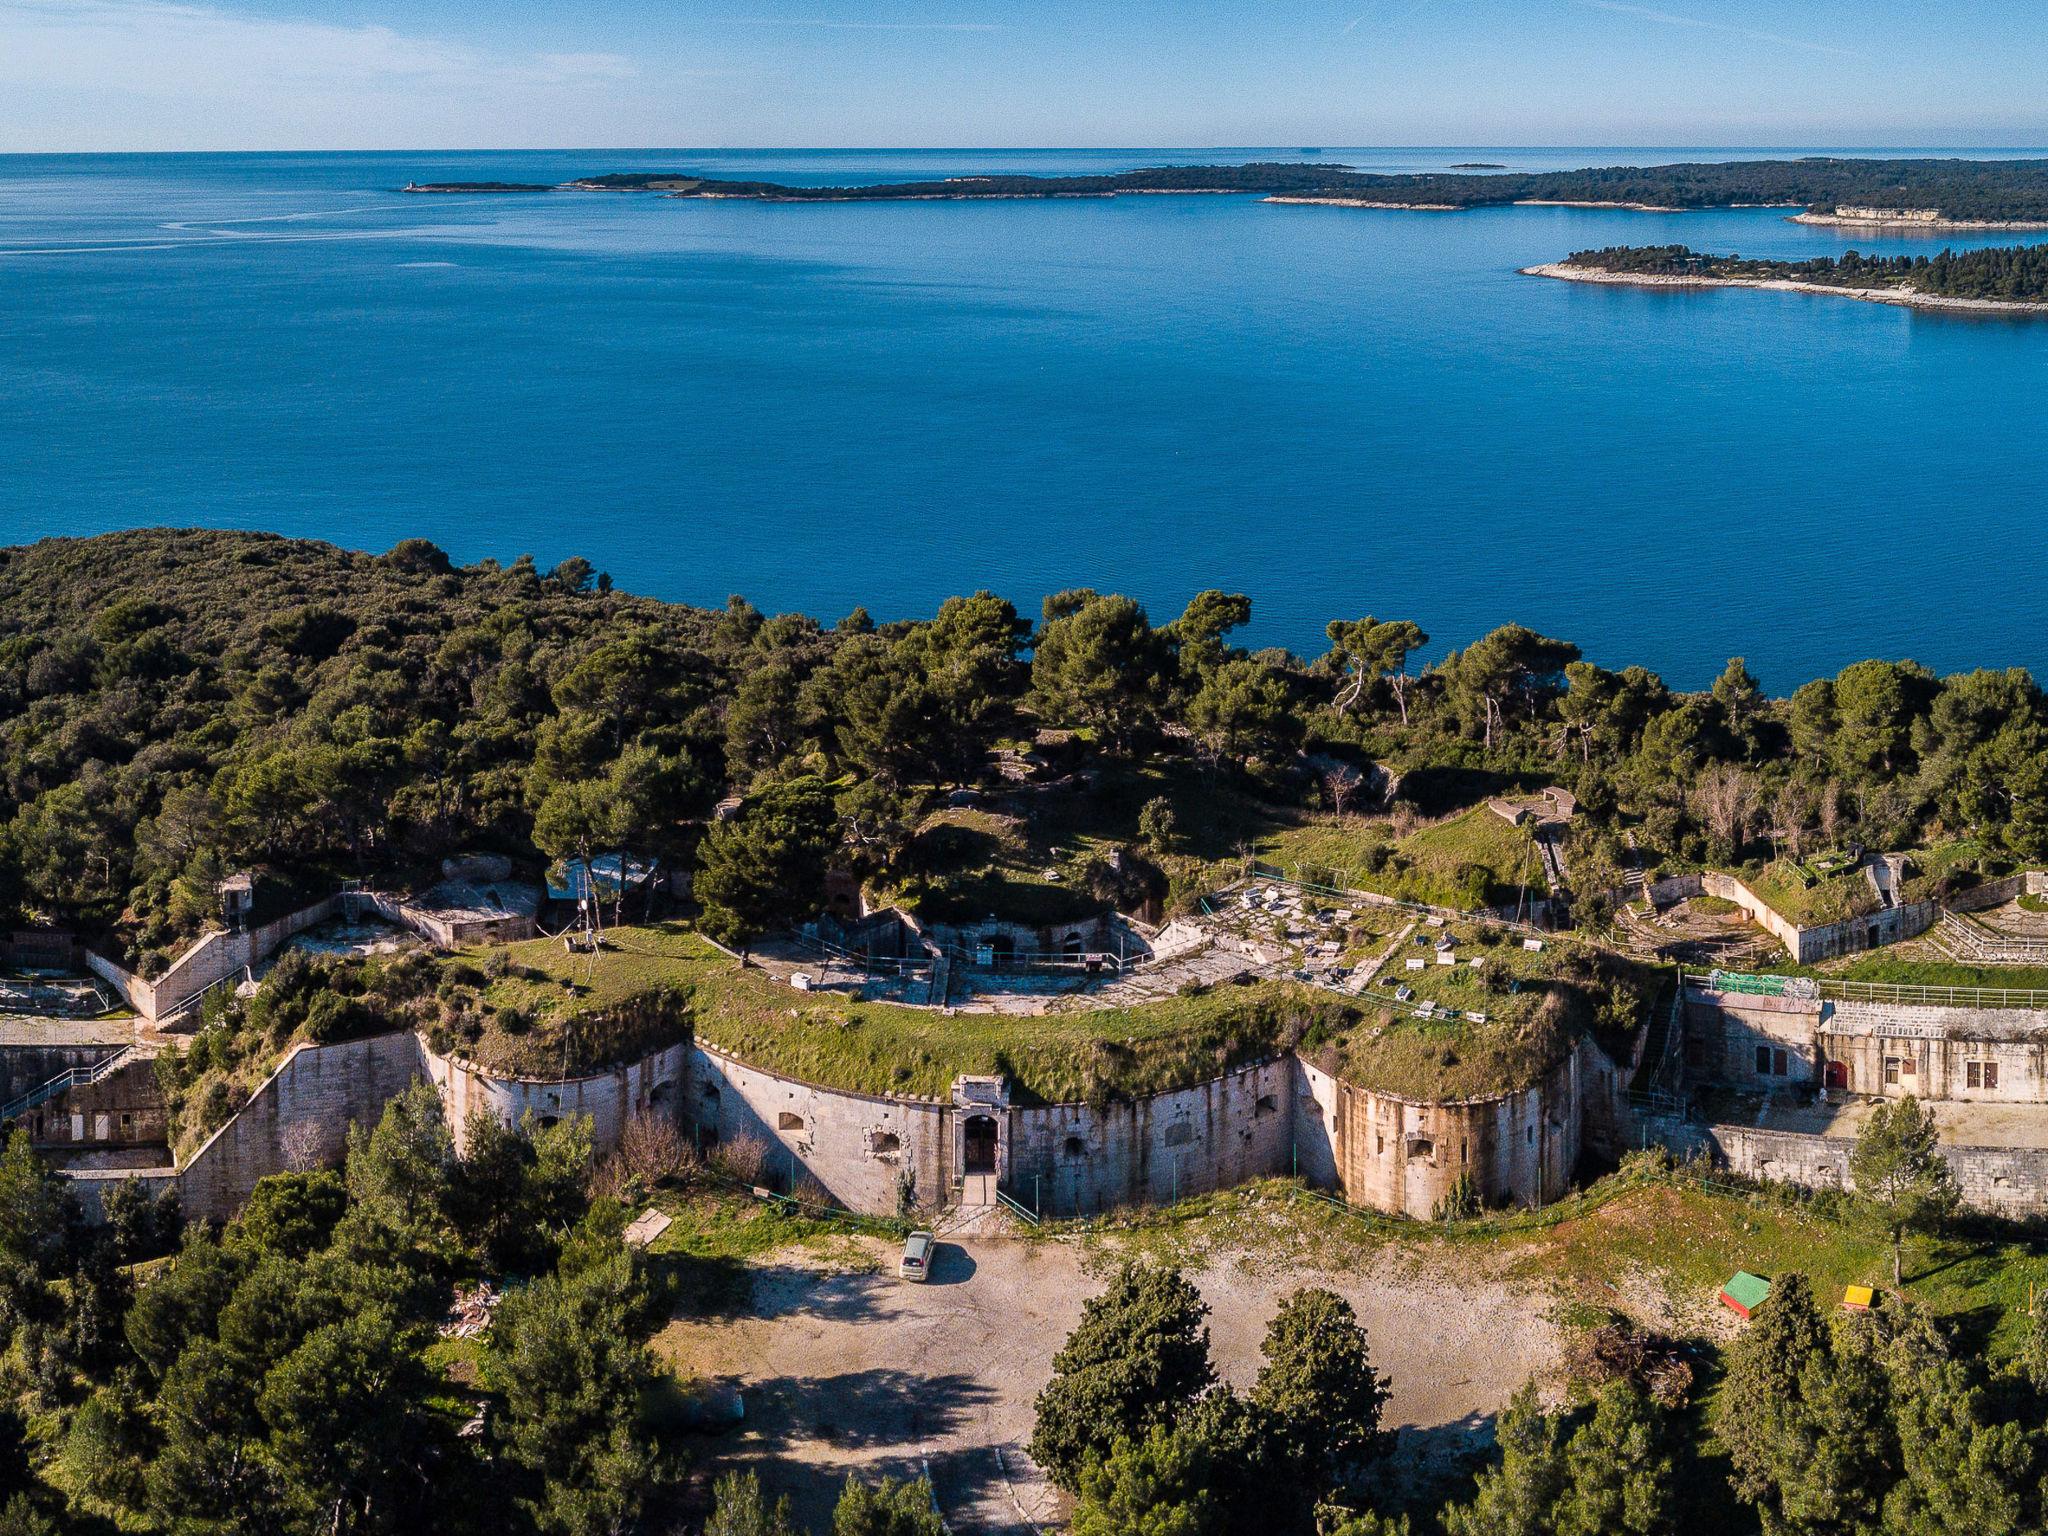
point(2005, 279)
point(1922, 194)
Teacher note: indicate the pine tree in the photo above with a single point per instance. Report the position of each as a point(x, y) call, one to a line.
point(1899, 1172)
point(1138, 1358)
point(1618, 1476)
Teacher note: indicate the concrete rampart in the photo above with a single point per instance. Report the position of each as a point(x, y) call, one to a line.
point(610, 1098)
point(299, 1118)
point(1076, 1159)
point(1413, 1157)
point(877, 1153)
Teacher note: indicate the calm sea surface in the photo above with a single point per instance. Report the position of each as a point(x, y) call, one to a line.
point(1338, 411)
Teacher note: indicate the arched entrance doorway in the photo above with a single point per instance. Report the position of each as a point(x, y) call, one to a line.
point(979, 1150)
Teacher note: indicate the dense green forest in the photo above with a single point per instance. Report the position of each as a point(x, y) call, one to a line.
point(283, 1375)
point(2015, 274)
point(177, 704)
point(1961, 189)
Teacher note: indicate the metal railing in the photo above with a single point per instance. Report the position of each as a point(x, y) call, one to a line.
point(68, 1079)
point(1837, 989)
point(1016, 1208)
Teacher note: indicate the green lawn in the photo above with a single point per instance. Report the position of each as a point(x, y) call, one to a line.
point(1427, 865)
point(1810, 898)
point(1558, 994)
point(1075, 1054)
point(887, 1048)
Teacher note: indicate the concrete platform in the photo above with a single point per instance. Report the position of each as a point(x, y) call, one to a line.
point(1958, 1124)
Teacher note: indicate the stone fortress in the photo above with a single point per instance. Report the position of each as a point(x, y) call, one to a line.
point(1801, 1057)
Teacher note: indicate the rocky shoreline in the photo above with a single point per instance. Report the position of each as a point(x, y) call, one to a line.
point(1903, 297)
point(1360, 202)
point(1905, 220)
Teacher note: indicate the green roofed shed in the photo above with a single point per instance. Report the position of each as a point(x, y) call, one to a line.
point(1745, 1292)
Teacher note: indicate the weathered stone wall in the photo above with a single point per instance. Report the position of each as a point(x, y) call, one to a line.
point(1076, 1159)
point(123, 1109)
point(23, 1067)
point(1860, 933)
point(610, 1098)
point(1399, 1155)
point(1932, 1066)
point(299, 1118)
point(877, 1152)
point(1890, 925)
point(211, 957)
point(870, 1152)
point(1724, 1029)
point(2007, 1181)
point(92, 1184)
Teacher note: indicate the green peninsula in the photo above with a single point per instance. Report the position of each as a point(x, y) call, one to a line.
point(1999, 277)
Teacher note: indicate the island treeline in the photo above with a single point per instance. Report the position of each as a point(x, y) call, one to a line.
point(2007, 274)
point(1967, 190)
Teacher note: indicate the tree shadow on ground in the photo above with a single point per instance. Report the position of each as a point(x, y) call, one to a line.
point(806, 1434)
point(836, 1296)
point(1424, 1467)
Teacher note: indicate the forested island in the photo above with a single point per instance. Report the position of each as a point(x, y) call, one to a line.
point(1920, 193)
point(2001, 277)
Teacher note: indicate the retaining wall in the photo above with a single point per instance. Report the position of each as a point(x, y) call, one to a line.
point(212, 957)
point(299, 1118)
point(2005, 1181)
point(877, 1153)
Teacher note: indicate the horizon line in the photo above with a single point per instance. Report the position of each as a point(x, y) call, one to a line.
point(1810, 148)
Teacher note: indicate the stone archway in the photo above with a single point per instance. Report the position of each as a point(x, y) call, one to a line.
point(978, 1154)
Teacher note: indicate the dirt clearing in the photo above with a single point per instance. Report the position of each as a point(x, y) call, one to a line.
point(851, 1371)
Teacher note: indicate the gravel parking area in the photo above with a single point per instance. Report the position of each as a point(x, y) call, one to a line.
point(847, 1371)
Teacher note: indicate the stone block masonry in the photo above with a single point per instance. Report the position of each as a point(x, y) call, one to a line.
point(610, 1098)
point(299, 1118)
point(2004, 1181)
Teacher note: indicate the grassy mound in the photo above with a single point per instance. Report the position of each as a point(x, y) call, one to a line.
point(1537, 1006)
point(872, 1047)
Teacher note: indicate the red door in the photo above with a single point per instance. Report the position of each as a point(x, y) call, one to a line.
point(1838, 1074)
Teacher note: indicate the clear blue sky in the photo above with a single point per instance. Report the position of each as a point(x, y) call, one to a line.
point(223, 74)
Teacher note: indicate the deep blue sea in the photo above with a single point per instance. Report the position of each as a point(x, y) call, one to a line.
point(1337, 411)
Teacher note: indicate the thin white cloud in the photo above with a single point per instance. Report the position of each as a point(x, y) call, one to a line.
point(1386, 23)
point(826, 24)
point(147, 42)
point(1702, 24)
point(152, 74)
